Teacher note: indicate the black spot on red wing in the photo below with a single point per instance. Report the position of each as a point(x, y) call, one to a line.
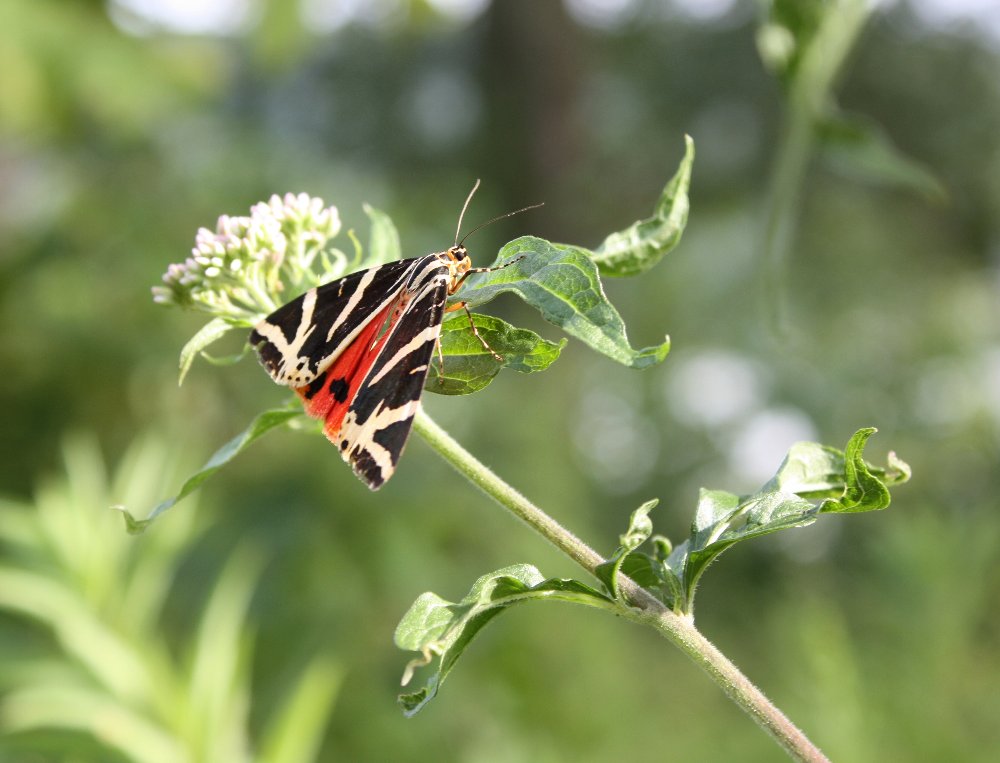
point(313, 387)
point(339, 389)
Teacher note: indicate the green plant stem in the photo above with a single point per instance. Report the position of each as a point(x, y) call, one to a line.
point(809, 99)
point(649, 610)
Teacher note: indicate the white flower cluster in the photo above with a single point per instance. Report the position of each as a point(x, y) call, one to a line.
point(239, 270)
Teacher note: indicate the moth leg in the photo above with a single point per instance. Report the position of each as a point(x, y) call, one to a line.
point(472, 325)
point(455, 287)
point(437, 345)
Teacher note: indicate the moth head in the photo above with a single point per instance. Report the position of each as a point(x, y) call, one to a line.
point(459, 261)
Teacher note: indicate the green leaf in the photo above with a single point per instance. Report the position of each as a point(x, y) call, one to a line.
point(723, 519)
point(226, 360)
point(218, 650)
point(644, 243)
point(643, 569)
point(262, 424)
point(866, 488)
point(213, 330)
point(439, 628)
point(859, 147)
point(383, 240)
point(296, 733)
point(469, 366)
point(897, 470)
point(640, 527)
point(812, 479)
point(562, 283)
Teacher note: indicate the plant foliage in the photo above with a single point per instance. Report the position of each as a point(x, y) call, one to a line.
point(100, 668)
point(812, 480)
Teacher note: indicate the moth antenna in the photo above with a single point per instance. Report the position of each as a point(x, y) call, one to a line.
point(465, 207)
point(499, 217)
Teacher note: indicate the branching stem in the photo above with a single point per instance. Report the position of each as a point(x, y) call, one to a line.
point(647, 609)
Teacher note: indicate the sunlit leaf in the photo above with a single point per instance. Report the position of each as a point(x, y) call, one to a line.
point(222, 361)
point(87, 710)
point(640, 527)
point(296, 733)
point(218, 653)
point(563, 284)
point(212, 331)
point(644, 243)
point(99, 682)
point(111, 660)
point(262, 424)
point(442, 629)
point(812, 479)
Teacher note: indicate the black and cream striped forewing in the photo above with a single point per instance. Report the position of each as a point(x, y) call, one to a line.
point(363, 378)
point(299, 340)
point(380, 415)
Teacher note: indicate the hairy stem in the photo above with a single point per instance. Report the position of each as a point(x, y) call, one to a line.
point(481, 476)
point(649, 610)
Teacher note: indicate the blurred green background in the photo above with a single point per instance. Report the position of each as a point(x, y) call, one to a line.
point(255, 621)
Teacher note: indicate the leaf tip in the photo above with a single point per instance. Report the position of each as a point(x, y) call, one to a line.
point(133, 526)
point(412, 703)
point(898, 469)
point(652, 356)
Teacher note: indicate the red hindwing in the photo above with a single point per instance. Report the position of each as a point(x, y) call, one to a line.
point(329, 396)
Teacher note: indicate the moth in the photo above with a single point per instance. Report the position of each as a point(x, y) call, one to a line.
point(357, 350)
